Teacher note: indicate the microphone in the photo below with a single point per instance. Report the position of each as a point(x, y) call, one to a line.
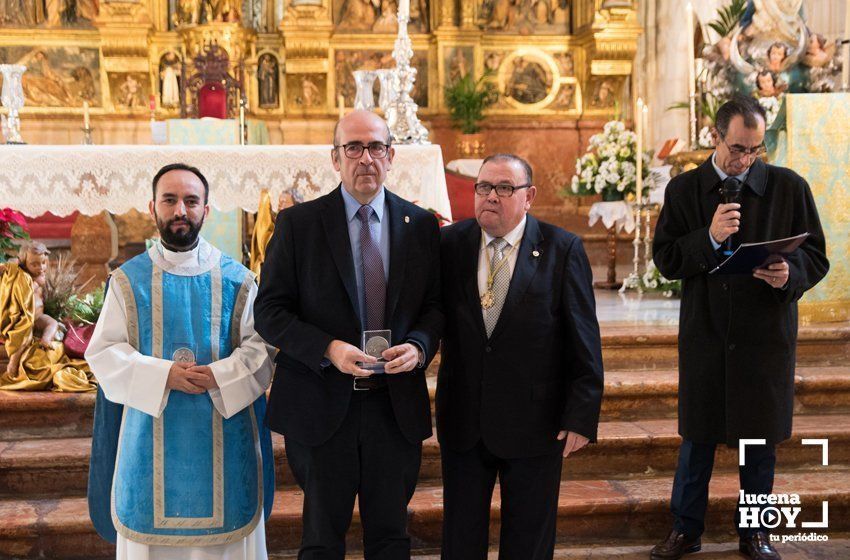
point(730, 191)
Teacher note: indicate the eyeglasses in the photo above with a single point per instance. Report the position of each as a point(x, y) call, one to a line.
point(503, 190)
point(354, 150)
point(737, 152)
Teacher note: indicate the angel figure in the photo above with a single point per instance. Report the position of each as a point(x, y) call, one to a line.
point(37, 359)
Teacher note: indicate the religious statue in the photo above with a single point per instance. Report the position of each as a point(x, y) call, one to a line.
point(767, 86)
point(22, 12)
point(310, 93)
point(603, 97)
point(37, 357)
point(502, 15)
point(777, 55)
point(129, 92)
point(780, 19)
point(188, 13)
point(227, 11)
point(387, 21)
point(267, 78)
point(169, 80)
point(819, 52)
point(358, 15)
point(458, 65)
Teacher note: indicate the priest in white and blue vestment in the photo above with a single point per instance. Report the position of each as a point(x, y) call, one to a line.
point(181, 460)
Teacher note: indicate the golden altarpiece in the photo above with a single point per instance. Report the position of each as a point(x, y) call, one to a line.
point(551, 58)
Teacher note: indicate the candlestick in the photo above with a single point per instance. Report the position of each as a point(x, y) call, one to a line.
point(632, 281)
point(86, 114)
point(692, 95)
point(404, 10)
point(242, 103)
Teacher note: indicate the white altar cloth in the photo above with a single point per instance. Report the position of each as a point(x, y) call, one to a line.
point(35, 179)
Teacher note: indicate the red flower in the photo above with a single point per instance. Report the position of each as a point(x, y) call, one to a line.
point(9, 215)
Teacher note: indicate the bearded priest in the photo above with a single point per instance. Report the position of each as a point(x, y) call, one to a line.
point(181, 460)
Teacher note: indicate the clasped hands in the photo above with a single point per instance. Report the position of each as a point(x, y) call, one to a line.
point(190, 378)
point(345, 357)
point(727, 221)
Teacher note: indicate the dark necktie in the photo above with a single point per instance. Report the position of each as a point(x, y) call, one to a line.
point(374, 281)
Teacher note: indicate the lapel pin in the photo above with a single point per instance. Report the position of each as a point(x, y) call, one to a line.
point(407, 219)
point(535, 253)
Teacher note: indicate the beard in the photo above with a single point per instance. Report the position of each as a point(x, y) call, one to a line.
point(180, 238)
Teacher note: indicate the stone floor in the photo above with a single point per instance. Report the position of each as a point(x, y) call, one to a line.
point(835, 549)
point(634, 309)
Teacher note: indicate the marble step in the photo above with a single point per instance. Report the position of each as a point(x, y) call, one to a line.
point(590, 511)
point(625, 450)
point(628, 395)
point(648, 347)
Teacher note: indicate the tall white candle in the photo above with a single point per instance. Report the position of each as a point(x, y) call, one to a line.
point(340, 102)
point(404, 9)
point(691, 48)
point(85, 114)
point(639, 149)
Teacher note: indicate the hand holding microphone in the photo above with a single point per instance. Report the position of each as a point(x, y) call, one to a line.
point(727, 217)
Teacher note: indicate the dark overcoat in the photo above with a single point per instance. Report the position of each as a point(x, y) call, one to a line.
point(737, 334)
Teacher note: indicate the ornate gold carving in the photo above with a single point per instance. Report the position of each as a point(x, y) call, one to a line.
point(824, 311)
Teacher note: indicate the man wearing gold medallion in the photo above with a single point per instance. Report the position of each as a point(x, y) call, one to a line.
point(520, 382)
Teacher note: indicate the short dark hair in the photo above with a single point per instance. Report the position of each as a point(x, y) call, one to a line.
point(745, 106)
point(510, 157)
point(182, 167)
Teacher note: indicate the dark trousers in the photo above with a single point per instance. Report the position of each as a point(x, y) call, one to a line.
point(690, 485)
point(368, 457)
point(529, 490)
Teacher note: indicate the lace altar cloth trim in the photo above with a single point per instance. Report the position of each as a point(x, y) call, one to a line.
point(61, 179)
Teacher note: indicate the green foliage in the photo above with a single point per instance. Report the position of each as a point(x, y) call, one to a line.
point(467, 99)
point(707, 106)
point(86, 309)
point(728, 17)
point(61, 285)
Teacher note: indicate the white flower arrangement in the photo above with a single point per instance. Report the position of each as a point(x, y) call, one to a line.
point(771, 107)
point(609, 168)
point(653, 281)
point(705, 140)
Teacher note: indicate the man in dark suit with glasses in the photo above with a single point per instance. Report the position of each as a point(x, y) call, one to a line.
point(520, 381)
point(358, 259)
point(737, 333)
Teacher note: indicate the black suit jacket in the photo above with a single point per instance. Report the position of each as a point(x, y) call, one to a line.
point(541, 370)
point(308, 297)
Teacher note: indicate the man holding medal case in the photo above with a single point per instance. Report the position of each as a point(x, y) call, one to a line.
point(350, 295)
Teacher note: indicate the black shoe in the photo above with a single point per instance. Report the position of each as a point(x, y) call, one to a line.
point(674, 547)
point(757, 546)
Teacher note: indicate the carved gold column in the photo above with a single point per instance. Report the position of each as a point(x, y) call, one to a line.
point(609, 32)
point(307, 31)
point(124, 29)
point(467, 14)
point(447, 14)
